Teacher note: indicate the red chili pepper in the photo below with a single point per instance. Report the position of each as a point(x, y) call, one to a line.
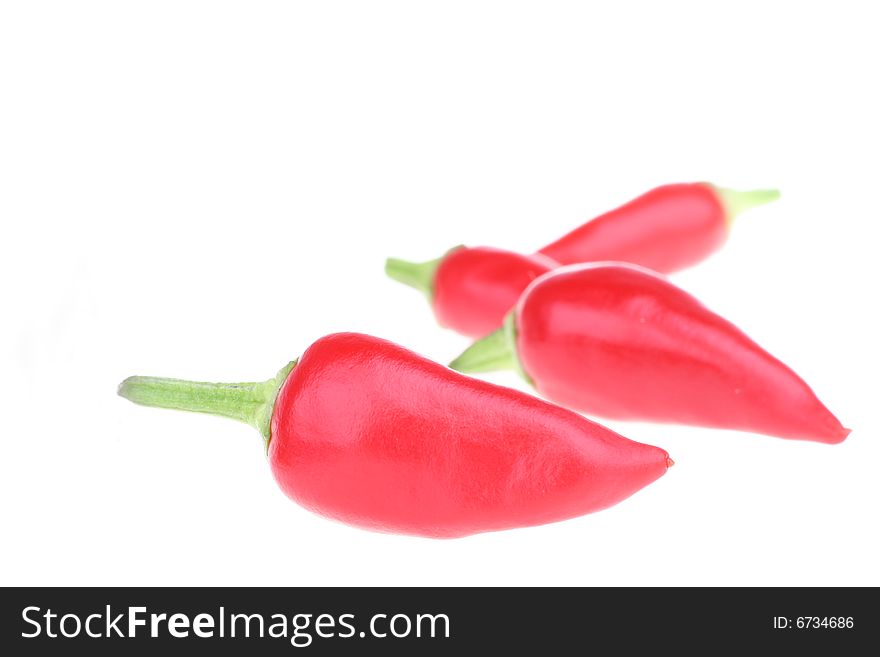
point(472, 289)
point(622, 342)
point(371, 434)
point(666, 229)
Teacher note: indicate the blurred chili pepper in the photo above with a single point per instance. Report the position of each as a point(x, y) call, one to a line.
point(472, 289)
point(666, 229)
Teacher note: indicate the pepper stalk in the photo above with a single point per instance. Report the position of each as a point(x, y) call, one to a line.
point(251, 402)
point(496, 351)
point(735, 201)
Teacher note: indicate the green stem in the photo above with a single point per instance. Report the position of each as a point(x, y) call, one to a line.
point(251, 403)
point(419, 275)
point(735, 201)
point(496, 351)
point(487, 354)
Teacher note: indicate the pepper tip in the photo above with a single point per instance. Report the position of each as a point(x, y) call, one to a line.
point(123, 388)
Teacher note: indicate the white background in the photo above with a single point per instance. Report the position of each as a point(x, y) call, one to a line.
point(201, 189)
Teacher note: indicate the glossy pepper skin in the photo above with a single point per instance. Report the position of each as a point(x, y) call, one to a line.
point(373, 435)
point(666, 229)
point(619, 341)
